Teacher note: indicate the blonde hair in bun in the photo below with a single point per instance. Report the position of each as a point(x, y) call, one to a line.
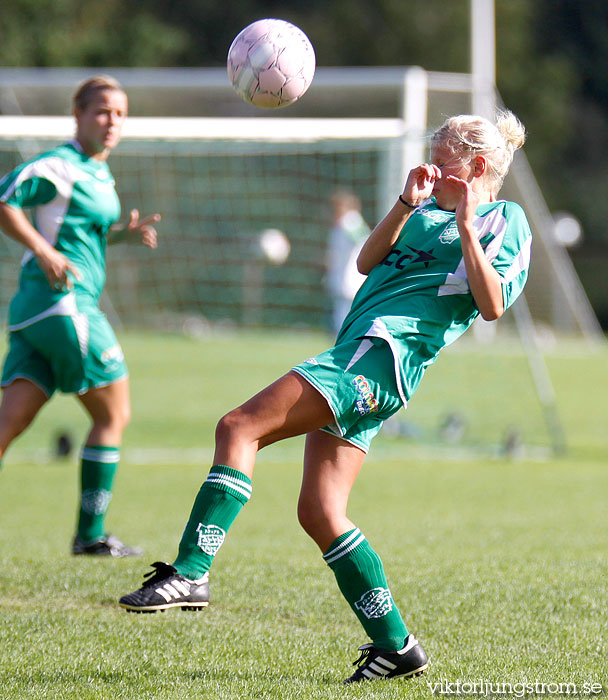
point(470, 135)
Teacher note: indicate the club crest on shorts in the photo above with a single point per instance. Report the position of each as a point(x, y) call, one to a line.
point(210, 538)
point(112, 357)
point(366, 403)
point(375, 603)
point(95, 501)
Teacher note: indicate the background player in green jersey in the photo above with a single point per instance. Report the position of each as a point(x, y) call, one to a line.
point(446, 252)
point(58, 337)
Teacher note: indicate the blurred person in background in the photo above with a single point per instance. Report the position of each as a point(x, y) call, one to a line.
point(59, 339)
point(346, 236)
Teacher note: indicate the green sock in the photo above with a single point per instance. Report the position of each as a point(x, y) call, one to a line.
point(360, 576)
point(217, 504)
point(98, 467)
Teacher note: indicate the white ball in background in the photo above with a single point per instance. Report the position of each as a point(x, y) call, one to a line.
point(275, 246)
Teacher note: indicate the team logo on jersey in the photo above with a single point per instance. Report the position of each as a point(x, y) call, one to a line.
point(400, 259)
point(375, 603)
point(436, 215)
point(95, 501)
point(210, 538)
point(449, 234)
point(366, 403)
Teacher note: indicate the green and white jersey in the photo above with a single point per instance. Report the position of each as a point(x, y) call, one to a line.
point(74, 203)
point(418, 298)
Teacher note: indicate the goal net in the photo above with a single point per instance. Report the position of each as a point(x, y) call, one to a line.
point(222, 184)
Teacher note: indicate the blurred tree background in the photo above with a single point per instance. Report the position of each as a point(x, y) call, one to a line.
point(552, 68)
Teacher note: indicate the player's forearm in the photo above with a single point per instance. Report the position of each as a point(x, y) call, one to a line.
point(484, 281)
point(382, 238)
point(17, 226)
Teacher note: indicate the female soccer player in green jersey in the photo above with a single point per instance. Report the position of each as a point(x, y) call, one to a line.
point(58, 337)
point(447, 251)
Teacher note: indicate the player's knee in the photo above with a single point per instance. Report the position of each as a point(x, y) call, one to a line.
point(14, 423)
point(311, 517)
point(120, 416)
point(229, 427)
point(115, 417)
point(125, 415)
point(304, 517)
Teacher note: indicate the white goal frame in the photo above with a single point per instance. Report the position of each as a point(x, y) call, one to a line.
point(408, 136)
point(416, 93)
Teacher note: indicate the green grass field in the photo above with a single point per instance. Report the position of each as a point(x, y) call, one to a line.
point(499, 565)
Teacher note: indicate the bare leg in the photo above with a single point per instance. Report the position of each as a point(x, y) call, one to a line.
point(110, 409)
point(331, 466)
point(290, 406)
point(21, 401)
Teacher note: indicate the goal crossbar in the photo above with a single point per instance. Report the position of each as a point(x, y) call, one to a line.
point(212, 128)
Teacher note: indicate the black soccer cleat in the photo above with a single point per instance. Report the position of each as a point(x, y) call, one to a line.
point(376, 663)
point(108, 546)
point(164, 589)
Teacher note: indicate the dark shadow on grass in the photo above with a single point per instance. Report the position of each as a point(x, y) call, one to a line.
point(63, 678)
point(255, 676)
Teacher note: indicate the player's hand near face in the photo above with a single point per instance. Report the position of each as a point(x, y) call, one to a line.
point(418, 187)
point(483, 279)
point(420, 182)
point(468, 203)
point(143, 227)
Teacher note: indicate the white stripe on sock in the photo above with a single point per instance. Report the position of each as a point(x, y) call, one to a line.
point(355, 533)
point(242, 490)
point(105, 456)
point(343, 553)
point(233, 479)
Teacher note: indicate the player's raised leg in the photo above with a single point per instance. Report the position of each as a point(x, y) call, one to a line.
point(331, 466)
point(290, 406)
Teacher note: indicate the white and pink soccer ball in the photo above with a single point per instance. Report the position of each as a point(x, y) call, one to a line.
point(271, 63)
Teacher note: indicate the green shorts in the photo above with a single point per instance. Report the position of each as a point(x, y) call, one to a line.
point(357, 378)
point(69, 353)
